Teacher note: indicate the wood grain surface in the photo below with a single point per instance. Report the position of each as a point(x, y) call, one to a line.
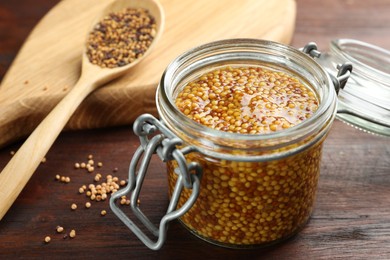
point(351, 219)
point(48, 64)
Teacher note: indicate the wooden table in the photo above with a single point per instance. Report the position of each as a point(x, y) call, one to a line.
point(352, 214)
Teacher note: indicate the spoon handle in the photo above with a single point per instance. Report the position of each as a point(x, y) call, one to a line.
point(20, 168)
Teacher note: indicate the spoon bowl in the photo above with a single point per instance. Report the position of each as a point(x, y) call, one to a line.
point(106, 74)
point(20, 168)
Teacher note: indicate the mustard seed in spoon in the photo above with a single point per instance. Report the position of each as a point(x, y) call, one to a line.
point(121, 37)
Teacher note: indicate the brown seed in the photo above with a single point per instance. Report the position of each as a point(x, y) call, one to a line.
point(115, 42)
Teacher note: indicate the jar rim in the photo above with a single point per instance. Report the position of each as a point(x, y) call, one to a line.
point(282, 53)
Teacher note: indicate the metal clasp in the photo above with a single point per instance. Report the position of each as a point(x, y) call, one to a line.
point(164, 144)
point(344, 70)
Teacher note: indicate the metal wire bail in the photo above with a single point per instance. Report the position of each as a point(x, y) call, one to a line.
point(164, 145)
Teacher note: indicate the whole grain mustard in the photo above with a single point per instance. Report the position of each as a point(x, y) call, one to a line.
point(250, 203)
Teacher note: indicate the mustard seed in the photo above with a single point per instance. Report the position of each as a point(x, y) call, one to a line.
point(73, 206)
point(88, 205)
point(72, 233)
point(12, 153)
point(99, 164)
point(248, 203)
point(252, 109)
point(121, 38)
point(83, 165)
point(103, 212)
point(77, 165)
point(81, 190)
point(59, 229)
point(47, 239)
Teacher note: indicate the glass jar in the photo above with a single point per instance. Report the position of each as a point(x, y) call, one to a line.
point(234, 190)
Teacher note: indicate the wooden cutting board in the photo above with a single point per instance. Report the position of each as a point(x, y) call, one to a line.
point(48, 64)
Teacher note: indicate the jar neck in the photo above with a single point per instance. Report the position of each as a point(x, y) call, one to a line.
point(245, 52)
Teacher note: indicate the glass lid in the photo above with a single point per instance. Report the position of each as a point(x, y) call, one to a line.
point(364, 102)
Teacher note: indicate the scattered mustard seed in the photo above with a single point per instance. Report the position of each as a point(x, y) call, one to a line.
point(103, 212)
point(59, 229)
point(72, 233)
point(47, 239)
point(99, 164)
point(73, 206)
point(88, 205)
point(12, 153)
point(77, 165)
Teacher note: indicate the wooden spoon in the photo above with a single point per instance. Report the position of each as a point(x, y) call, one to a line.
point(18, 171)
